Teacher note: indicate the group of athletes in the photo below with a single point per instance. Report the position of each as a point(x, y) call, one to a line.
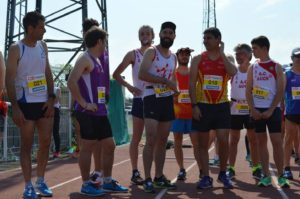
point(168, 96)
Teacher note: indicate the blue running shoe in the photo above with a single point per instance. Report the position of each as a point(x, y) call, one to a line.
point(205, 182)
point(29, 193)
point(223, 178)
point(90, 189)
point(148, 186)
point(287, 174)
point(43, 190)
point(114, 186)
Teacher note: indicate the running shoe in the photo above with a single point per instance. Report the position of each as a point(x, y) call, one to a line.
point(90, 189)
point(205, 182)
point(230, 172)
point(287, 173)
point(265, 181)
point(163, 183)
point(223, 178)
point(136, 178)
point(96, 179)
point(181, 175)
point(114, 186)
point(43, 190)
point(257, 172)
point(29, 193)
point(283, 182)
point(148, 186)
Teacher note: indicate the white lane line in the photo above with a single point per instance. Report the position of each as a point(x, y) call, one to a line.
point(275, 181)
point(162, 192)
point(78, 177)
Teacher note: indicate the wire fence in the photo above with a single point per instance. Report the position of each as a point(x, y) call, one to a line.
point(10, 133)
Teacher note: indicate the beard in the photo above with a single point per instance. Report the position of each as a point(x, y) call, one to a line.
point(166, 43)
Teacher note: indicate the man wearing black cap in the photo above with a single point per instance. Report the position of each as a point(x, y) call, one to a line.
point(157, 70)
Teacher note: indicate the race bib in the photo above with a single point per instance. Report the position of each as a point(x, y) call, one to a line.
point(162, 91)
point(37, 83)
point(296, 93)
point(260, 93)
point(212, 82)
point(242, 108)
point(101, 95)
point(184, 97)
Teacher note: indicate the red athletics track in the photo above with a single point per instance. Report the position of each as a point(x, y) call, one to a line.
point(64, 178)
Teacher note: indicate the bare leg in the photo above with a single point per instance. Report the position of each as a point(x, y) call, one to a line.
point(108, 150)
point(44, 127)
point(223, 139)
point(233, 142)
point(138, 128)
point(263, 150)
point(27, 132)
point(178, 149)
point(163, 131)
point(150, 128)
point(253, 146)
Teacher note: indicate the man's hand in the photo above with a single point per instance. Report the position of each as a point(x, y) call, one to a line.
point(18, 116)
point(49, 107)
point(196, 113)
point(135, 91)
point(172, 85)
point(91, 107)
point(267, 114)
point(255, 114)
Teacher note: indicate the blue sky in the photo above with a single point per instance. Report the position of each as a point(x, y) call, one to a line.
point(238, 20)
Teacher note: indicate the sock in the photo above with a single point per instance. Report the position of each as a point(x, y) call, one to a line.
point(107, 179)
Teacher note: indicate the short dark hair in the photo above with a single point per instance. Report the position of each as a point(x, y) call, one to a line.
point(244, 47)
point(88, 23)
point(149, 27)
point(93, 35)
point(214, 31)
point(32, 19)
point(261, 41)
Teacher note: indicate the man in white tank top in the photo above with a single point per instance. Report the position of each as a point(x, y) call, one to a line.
point(134, 58)
point(30, 91)
point(240, 117)
point(158, 72)
point(264, 92)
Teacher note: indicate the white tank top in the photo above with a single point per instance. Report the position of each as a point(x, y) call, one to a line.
point(239, 105)
point(264, 83)
point(30, 81)
point(135, 71)
point(162, 67)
